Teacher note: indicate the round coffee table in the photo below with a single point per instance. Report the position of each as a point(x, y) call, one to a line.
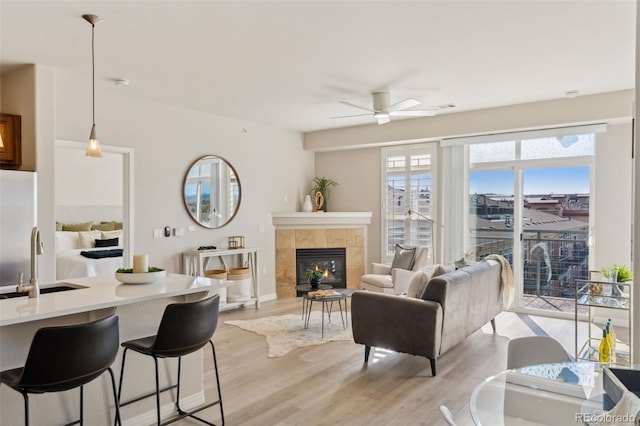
point(306, 288)
point(324, 300)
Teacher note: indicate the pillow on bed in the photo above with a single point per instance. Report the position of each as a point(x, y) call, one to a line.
point(86, 226)
point(66, 241)
point(104, 226)
point(111, 234)
point(88, 239)
point(111, 242)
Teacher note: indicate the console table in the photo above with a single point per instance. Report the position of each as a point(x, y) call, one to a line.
point(194, 263)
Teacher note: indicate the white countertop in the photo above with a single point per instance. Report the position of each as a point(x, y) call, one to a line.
point(100, 293)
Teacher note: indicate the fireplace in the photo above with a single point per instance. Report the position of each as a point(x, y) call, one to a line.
point(331, 261)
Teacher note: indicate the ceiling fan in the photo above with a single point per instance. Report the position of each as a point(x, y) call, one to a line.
point(382, 111)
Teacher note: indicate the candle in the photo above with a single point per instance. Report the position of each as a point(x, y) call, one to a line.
point(140, 263)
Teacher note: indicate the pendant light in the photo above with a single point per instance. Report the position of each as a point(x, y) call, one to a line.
point(93, 147)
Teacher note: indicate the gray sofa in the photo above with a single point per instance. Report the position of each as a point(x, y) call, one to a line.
point(451, 307)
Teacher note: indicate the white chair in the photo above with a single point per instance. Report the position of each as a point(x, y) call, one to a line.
point(447, 416)
point(387, 279)
point(534, 350)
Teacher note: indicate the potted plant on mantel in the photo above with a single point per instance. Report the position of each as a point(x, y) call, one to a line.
point(314, 276)
point(322, 185)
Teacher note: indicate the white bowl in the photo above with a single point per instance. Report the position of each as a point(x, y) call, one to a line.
point(141, 277)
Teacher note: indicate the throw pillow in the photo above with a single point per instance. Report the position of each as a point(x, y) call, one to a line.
point(418, 283)
point(111, 242)
point(88, 239)
point(86, 226)
point(443, 269)
point(404, 257)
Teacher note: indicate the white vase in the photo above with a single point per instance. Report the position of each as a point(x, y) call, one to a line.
point(307, 206)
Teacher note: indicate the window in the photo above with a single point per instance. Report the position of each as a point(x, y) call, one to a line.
point(529, 200)
point(408, 185)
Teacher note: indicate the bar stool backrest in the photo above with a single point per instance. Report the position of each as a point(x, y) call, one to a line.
point(186, 327)
point(65, 357)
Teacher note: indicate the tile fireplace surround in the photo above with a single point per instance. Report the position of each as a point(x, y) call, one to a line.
point(319, 230)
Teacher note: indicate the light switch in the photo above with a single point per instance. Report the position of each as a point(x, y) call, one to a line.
point(157, 233)
point(178, 232)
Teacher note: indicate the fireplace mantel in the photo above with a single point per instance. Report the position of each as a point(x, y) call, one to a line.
point(320, 219)
point(319, 230)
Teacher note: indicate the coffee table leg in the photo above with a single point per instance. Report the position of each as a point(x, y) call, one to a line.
point(309, 305)
point(341, 317)
point(323, 303)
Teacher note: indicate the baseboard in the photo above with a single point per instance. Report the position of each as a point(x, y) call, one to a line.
point(166, 410)
point(268, 297)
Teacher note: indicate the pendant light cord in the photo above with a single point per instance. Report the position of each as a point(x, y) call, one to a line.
point(93, 73)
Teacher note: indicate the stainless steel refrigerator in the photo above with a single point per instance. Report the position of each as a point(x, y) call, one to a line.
point(18, 215)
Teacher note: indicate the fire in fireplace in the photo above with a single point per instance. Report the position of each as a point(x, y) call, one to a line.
point(331, 261)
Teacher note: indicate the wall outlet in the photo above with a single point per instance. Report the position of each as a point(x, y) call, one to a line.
point(191, 228)
point(157, 233)
point(260, 228)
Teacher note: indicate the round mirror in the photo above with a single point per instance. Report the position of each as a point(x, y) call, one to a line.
point(212, 191)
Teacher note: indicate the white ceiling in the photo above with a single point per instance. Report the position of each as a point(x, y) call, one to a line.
point(289, 63)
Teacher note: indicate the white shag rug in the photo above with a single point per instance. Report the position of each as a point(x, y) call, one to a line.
point(286, 332)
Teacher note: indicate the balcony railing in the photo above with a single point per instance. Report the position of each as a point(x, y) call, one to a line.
point(552, 259)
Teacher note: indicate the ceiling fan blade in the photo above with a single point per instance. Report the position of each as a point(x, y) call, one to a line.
point(416, 113)
point(348, 116)
point(383, 118)
point(407, 103)
point(356, 106)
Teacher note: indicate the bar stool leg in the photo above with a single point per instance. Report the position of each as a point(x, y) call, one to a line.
point(81, 405)
point(26, 408)
point(155, 360)
point(115, 397)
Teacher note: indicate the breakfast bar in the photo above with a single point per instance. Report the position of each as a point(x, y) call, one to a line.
point(139, 308)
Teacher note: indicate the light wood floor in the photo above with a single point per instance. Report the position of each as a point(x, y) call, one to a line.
point(330, 384)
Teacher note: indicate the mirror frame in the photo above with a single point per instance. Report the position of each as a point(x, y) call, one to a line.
point(184, 183)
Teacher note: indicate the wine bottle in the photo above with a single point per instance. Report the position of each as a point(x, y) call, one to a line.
point(612, 340)
point(604, 351)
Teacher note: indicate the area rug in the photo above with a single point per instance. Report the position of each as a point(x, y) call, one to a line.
point(286, 332)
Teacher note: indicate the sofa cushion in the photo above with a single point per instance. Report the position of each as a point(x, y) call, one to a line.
point(421, 278)
point(418, 283)
point(403, 257)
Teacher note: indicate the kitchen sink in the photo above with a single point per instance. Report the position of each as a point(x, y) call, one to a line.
point(44, 290)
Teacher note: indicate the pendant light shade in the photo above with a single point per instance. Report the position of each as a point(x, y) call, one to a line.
point(93, 147)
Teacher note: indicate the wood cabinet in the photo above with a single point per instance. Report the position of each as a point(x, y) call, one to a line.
point(11, 144)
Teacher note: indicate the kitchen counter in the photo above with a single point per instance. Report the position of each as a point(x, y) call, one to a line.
point(100, 293)
point(139, 308)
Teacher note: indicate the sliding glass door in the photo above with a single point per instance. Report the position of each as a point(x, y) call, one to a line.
point(530, 201)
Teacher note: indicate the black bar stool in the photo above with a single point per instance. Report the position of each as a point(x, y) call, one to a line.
point(66, 357)
point(184, 328)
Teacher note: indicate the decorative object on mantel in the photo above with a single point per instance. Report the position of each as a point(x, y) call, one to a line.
point(286, 332)
point(93, 146)
point(306, 205)
point(319, 202)
point(10, 139)
point(322, 185)
point(236, 242)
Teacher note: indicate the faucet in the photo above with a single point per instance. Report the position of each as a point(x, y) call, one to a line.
point(36, 249)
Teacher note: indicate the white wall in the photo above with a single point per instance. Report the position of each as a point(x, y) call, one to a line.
point(270, 162)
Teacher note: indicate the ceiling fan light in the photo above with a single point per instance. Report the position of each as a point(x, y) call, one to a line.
point(93, 147)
